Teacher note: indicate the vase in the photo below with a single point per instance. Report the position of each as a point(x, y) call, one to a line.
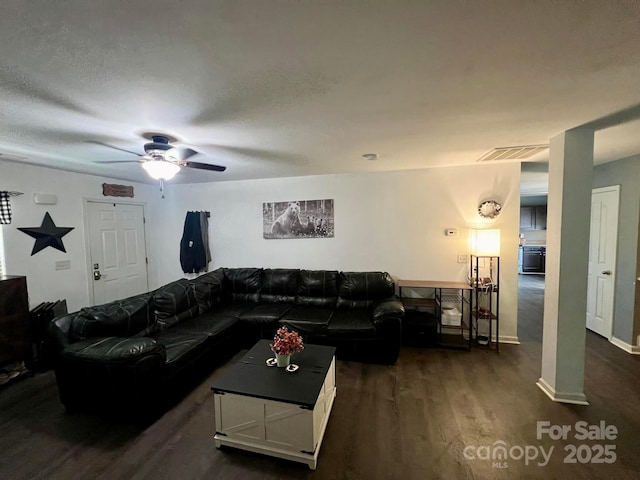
point(283, 360)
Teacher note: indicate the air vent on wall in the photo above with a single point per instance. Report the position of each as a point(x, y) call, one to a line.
point(512, 153)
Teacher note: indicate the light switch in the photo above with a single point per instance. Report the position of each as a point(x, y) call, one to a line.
point(63, 265)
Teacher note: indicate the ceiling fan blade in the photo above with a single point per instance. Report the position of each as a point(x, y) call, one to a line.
point(114, 147)
point(205, 166)
point(187, 153)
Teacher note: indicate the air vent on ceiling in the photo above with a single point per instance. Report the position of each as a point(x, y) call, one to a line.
point(512, 153)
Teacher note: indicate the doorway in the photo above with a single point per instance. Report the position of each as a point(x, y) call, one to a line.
point(603, 242)
point(117, 250)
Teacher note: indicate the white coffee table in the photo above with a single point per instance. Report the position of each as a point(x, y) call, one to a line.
point(268, 410)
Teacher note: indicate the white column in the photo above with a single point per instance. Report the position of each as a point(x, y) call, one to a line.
point(565, 296)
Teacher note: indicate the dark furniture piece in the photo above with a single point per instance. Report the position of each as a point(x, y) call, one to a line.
point(128, 352)
point(268, 410)
point(126, 356)
point(357, 312)
point(41, 316)
point(252, 376)
point(15, 343)
point(420, 328)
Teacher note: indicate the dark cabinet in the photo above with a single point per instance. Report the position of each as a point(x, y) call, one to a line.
point(15, 343)
point(533, 218)
point(527, 218)
point(541, 217)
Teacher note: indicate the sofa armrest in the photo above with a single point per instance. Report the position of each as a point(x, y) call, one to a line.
point(115, 350)
point(59, 330)
point(390, 309)
point(121, 373)
point(387, 317)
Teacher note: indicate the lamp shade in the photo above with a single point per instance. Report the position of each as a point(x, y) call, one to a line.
point(161, 169)
point(485, 242)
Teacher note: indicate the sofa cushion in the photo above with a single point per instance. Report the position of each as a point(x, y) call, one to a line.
point(233, 309)
point(175, 302)
point(307, 319)
point(265, 313)
point(279, 285)
point(210, 323)
point(318, 288)
point(243, 284)
point(351, 324)
point(181, 347)
point(122, 318)
point(363, 289)
point(207, 289)
point(114, 350)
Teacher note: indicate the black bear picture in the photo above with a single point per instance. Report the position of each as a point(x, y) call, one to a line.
point(298, 219)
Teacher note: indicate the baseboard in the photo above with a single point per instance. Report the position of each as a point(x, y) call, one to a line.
point(573, 398)
point(509, 339)
point(503, 339)
point(627, 347)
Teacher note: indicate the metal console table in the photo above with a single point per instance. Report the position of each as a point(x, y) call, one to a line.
point(438, 294)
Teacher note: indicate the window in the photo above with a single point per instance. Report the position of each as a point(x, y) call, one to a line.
point(1, 253)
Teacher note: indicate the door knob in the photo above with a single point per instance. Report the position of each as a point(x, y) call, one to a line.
point(607, 272)
point(96, 275)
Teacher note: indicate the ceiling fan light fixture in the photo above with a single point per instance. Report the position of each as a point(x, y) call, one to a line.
point(172, 155)
point(161, 169)
point(162, 160)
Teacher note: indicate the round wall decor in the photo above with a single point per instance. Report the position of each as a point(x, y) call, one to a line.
point(489, 209)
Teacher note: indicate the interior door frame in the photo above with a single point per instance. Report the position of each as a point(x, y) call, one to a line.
point(87, 240)
point(614, 276)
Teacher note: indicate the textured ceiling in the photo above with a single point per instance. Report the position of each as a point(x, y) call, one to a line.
point(286, 88)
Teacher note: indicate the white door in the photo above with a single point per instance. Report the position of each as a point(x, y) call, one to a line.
point(602, 259)
point(118, 258)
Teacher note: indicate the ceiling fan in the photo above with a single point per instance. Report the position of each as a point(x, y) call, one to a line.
point(162, 160)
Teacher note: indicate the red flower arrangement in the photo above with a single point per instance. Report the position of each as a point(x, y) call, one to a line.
point(286, 342)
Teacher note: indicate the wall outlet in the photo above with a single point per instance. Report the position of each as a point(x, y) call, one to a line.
point(463, 258)
point(63, 265)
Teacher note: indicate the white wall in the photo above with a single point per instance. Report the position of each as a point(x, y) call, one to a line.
point(43, 281)
point(535, 237)
point(626, 173)
point(383, 221)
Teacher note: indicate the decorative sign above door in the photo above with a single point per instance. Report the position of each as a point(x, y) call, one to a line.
point(113, 190)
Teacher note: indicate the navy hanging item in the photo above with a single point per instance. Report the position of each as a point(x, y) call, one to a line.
point(193, 256)
point(204, 225)
point(5, 209)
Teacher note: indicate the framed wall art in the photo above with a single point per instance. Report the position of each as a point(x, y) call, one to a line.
point(298, 219)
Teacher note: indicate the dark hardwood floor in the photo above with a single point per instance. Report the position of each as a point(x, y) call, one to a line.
point(414, 420)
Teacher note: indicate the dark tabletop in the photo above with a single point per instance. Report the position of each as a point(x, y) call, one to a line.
point(251, 376)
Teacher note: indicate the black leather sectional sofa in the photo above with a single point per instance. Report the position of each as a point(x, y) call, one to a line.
point(127, 352)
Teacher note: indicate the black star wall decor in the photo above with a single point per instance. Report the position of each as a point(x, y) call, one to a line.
point(48, 235)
